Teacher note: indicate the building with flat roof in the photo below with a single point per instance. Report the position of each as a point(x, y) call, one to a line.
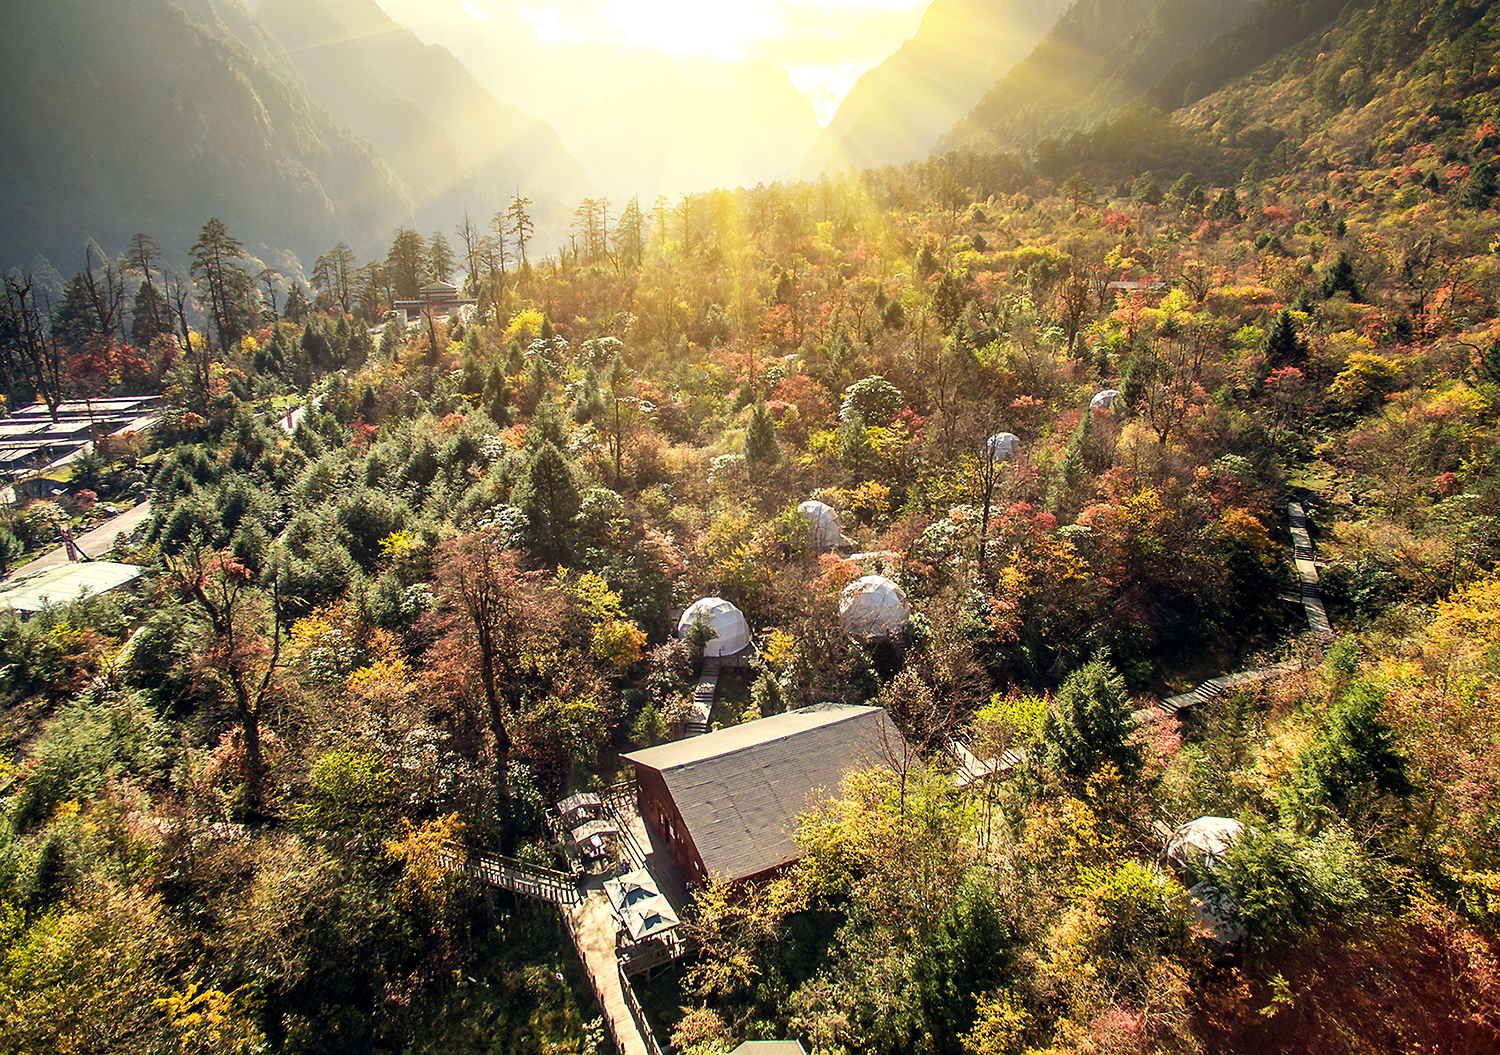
point(64, 584)
point(440, 299)
point(727, 803)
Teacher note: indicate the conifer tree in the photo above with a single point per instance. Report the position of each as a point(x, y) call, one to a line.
point(1282, 345)
point(549, 497)
point(1089, 723)
point(760, 438)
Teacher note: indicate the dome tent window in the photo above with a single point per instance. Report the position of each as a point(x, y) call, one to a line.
point(731, 634)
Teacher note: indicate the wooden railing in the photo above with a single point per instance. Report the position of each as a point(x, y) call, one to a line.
point(639, 1015)
point(509, 873)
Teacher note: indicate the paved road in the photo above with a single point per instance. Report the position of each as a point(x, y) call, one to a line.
point(94, 543)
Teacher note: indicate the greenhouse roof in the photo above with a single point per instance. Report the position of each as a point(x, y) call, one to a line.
point(67, 582)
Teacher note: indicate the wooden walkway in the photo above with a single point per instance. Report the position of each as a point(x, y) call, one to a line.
point(507, 873)
point(1307, 572)
point(971, 768)
point(592, 926)
point(703, 697)
point(1211, 689)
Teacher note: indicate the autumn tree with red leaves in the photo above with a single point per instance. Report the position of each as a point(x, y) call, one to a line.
point(238, 660)
point(496, 624)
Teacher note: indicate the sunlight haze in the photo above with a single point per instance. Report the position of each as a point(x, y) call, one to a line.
point(824, 45)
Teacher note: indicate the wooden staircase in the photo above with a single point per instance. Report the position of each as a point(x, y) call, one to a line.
point(703, 697)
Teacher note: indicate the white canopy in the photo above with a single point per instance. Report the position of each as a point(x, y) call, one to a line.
point(640, 905)
point(1104, 400)
point(825, 531)
point(872, 608)
point(731, 632)
point(1003, 445)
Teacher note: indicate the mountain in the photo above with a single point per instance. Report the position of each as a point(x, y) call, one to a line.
point(127, 116)
point(896, 111)
point(1100, 57)
point(1275, 25)
point(453, 143)
point(642, 121)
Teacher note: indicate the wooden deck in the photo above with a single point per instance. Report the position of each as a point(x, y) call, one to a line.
point(592, 926)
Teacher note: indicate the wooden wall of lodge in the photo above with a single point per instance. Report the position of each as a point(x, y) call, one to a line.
point(660, 811)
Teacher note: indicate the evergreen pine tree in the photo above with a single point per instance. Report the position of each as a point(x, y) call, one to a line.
point(1070, 469)
point(1282, 345)
point(1341, 279)
point(1089, 724)
point(760, 438)
point(548, 495)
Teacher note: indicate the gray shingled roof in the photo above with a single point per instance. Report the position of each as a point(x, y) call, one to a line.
point(740, 789)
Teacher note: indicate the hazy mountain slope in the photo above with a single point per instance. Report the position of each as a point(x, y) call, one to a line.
point(338, 74)
point(231, 20)
point(896, 111)
point(126, 116)
point(419, 104)
point(1102, 55)
point(674, 127)
point(1277, 24)
point(641, 121)
point(1403, 95)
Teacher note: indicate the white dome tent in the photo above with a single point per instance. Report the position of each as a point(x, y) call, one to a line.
point(731, 632)
point(873, 608)
point(1003, 446)
point(1104, 400)
point(825, 532)
point(1194, 854)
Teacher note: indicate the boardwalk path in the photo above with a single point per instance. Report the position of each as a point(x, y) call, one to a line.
point(591, 925)
point(1307, 572)
point(703, 697)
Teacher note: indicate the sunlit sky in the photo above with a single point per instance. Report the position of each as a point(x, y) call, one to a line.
point(824, 45)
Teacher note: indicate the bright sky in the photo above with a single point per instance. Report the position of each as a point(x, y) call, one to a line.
point(824, 45)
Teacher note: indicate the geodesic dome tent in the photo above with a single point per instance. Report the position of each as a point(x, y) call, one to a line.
point(1193, 854)
point(825, 532)
point(731, 632)
point(873, 608)
point(1003, 445)
point(1196, 848)
point(1104, 400)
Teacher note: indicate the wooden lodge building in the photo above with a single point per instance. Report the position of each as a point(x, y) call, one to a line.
point(727, 802)
point(440, 299)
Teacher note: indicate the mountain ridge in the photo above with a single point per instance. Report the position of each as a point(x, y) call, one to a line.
point(166, 125)
point(896, 110)
point(1100, 57)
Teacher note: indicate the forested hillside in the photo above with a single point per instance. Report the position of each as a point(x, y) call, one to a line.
point(443, 596)
point(1100, 57)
